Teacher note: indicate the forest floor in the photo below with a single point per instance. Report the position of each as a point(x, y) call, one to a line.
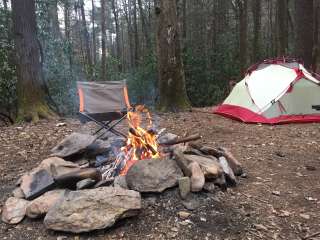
point(279, 199)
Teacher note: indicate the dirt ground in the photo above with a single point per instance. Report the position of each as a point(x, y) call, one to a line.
point(279, 198)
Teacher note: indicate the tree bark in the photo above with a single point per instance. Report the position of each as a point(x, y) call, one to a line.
point(173, 95)
point(54, 20)
point(30, 86)
point(304, 31)
point(316, 47)
point(243, 28)
point(118, 42)
point(136, 34)
point(256, 10)
point(86, 37)
point(145, 29)
point(282, 27)
point(103, 74)
point(94, 43)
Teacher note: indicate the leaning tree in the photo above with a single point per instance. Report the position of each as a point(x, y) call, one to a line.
point(31, 86)
point(172, 89)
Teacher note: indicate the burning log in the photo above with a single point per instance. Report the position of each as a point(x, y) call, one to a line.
point(182, 140)
point(142, 138)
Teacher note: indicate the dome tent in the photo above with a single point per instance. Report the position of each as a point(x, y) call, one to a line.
point(274, 91)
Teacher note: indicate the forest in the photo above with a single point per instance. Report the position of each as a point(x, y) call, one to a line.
point(98, 40)
point(159, 119)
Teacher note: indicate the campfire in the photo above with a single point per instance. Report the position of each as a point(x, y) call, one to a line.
point(107, 175)
point(141, 144)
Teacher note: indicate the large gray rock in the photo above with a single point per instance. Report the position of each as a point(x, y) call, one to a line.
point(75, 143)
point(41, 205)
point(87, 210)
point(36, 183)
point(41, 179)
point(14, 210)
point(153, 175)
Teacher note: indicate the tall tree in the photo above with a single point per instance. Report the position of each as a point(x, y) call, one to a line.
point(136, 34)
point(145, 29)
point(172, 90)
point(103, 75)
point(54, 19)
point(118, 37)
point(94, 41)
point(304, 31)
point(86, 39)
point(316, 47)
point(256, 11)
point(242, 10)
point(282, 27)
point(30, 88)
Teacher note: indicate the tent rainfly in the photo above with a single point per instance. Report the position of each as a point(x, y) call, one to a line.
point(273, 92)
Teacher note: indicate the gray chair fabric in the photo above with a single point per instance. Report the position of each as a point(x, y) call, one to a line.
point(103, 97)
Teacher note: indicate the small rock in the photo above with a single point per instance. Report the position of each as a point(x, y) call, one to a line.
point(85, 183)
point(203, 219)
point(61, 124)
point(41, 205)
point(191, 202)
point(261, 227)
point(244, 175)
point(18, 193)
point(280, 154)
point(184, 186)
point(14, 210)
point(304, 216)
point(284, 213)
point(174, 229)
point(61, 237)
point(310, 168)
point(209, 187)
point(183, 214)
point(276, 193)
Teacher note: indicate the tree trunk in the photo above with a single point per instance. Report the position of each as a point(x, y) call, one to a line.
point(94, 43)
point(316, 47)
point(304, 31)
point(103, 76)
point(145, 29)
point(136, 34)
point(256, 10)
point(85, 33)
point(53, 19)
point(243, 28)
point(127, 13)
point(172, 90)
point(118, 37)
point(282, 27)
point(30, 86)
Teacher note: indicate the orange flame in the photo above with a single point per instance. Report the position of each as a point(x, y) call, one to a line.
point(141, 143)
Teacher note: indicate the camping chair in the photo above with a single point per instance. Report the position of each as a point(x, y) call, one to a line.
point(105, 103)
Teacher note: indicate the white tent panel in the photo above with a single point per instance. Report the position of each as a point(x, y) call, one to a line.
point(240, 97)
point(269, 83)
point(307, 74)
